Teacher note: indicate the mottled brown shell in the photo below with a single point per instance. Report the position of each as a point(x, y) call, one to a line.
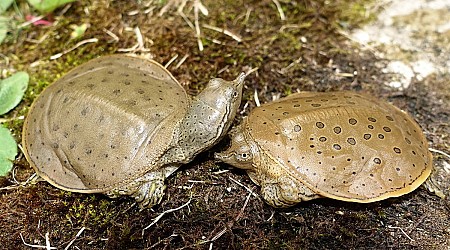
point(343, 145)
point(103, 124)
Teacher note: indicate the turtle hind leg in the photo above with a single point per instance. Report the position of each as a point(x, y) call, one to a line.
point(147, 190)
point(286, 192)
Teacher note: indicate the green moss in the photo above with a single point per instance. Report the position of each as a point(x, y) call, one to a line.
point(347, 232)
point(356, 13)
point(382, 214)
point(91, 211)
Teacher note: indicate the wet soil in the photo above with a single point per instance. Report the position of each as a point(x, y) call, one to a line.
point(305, 52)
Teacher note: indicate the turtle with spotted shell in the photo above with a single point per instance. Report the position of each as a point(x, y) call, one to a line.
point(120, 125)
point(341, 145)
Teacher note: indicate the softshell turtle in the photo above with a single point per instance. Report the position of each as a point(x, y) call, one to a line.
point(120, 125)
point(341, 145)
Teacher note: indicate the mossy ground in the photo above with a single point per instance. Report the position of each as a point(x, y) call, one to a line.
point(304, 52)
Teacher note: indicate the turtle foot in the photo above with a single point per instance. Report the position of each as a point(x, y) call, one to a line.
point(147, 190)
point(285, 192)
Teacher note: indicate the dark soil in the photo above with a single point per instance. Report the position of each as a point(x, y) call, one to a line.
point(305, 52)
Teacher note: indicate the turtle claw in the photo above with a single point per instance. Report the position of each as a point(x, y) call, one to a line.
point(150, 193)
point(147, 190)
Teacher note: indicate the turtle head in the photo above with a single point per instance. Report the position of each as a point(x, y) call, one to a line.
point(209, 116)
point(241, 153)
point(224, 97)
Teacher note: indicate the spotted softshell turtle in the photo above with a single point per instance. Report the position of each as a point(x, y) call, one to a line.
point(120, 125)
point(341, 145)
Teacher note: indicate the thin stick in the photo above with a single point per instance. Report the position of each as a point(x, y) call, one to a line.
point(280, 10)
point(186, 19)
point(439, 152)
point(140, 43)
point(403, 231)
point(221, 171)
point(111, 34)
point(202, 8)
point(247, 15)
point(271, 216)
point(76, 236)
point(140, 38)
point(159, 242)
point(20, 184)
point(34, 19)
point(181, 13)
point(285, 69)
point(243, 208)
point(238, 217)
point(224, 31)
point(244, 108)
point(242, 185)
point(194, 181)
point(35, 246)
point(164, 213)
point(255, 96)
point(165, 8)
point(223, 69)
point(171, 3)
point(56, 56)
point(181, 61)
point(218, 235)
point(171, 61)
point(197, 26)
point(251, 71)
point(2, 120)
point(47, 241)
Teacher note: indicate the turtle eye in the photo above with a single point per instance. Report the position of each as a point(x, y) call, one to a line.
point(235, 94)
point(244, 156)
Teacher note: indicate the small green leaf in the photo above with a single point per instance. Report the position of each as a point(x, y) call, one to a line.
point(4, 5)
point(12, 90)
point(8, 151)
point(46, 6)
point(78, 30)
point(3, 27)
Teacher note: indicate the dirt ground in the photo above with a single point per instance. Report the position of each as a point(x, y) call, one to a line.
point(306, 51)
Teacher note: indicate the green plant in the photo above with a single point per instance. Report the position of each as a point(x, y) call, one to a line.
point(11, 93)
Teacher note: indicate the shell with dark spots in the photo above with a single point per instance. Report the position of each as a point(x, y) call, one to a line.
point(120, 125)
point(340, 145)
point(104, 123)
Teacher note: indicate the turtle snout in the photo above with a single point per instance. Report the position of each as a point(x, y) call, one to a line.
point(224, 156)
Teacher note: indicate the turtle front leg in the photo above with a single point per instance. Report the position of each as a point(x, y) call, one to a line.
point(147, 190)
point(285, 191)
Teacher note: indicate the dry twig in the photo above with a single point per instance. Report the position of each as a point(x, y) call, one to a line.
point(197, 26)
point(171, 61)
point(224, 31)
point(439, 152)
point(164, 213)
point(285, 69)
point(139, 46)
point(230, 225)
point(91, 40)
point(403, 231)
point(280, 10)
point(246, 188)
point(34, 19)
point(76, 236)
point(181, 61)
point(111, 34)
point(255, 96)
point(47, 243)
